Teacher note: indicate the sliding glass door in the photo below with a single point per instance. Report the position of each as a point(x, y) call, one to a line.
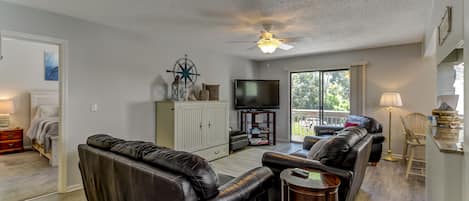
point(318, 98)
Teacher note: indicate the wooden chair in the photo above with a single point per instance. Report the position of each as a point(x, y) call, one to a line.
point(414, 127)
point(418, 124)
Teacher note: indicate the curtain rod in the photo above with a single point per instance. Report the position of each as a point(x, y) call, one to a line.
point(324, 67)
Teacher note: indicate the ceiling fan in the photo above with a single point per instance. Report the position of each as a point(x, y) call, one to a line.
point(268, 42)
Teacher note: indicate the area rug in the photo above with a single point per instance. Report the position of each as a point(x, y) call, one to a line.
point(239, 162)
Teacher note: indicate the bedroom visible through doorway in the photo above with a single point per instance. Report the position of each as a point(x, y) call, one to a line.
point(30, 123)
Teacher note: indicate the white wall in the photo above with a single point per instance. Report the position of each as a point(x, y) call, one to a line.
point(399, 68)
point(466, 103)
point(21, 71)
point(117, 70)
point(434, 19)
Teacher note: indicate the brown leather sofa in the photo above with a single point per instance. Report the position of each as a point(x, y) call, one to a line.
point(345, 155)
point(116, 170)
point(374, 128)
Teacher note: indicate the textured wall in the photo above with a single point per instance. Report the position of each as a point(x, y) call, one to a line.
point(116, 70)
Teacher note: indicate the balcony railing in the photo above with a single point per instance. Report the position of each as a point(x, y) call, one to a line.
point(304, 120)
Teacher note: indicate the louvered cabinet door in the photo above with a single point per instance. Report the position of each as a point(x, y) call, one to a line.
point(217, 124)
point(189, 127)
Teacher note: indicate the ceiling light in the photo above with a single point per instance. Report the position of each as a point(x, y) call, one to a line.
point(268, 46)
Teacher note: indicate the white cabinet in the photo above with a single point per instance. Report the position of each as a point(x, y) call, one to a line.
point(199, 127)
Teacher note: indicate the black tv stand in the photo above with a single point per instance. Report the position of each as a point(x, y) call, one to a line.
point(260, 125)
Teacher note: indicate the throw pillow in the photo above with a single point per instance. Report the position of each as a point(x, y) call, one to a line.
point(350, 124)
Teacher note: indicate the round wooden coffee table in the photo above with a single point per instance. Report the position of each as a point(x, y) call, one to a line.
point(318, 186)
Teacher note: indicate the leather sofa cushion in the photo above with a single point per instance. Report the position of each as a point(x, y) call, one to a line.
point(135, 149)
point(197, 170)
point(313, 153)
point(309, 141)
point(334, 151)
point(103, 141)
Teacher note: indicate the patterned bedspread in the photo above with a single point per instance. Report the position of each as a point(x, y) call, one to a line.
point(42, 129)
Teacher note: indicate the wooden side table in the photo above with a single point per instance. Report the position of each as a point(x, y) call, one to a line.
point(11, 140)
point(318, 186)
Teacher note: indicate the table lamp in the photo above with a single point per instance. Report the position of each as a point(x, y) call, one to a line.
point(390, 100)
point(6, 108)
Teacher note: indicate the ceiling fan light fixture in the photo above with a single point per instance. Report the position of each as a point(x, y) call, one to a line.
point(268, 46)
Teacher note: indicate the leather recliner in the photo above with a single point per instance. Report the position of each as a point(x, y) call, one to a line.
point(373, 127)
point(116, 170)
point(344, 155)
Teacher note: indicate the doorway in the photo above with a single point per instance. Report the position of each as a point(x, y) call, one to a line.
point(319, 97)
point(47, 98)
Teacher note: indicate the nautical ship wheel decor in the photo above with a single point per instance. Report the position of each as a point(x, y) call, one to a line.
point(186, 70)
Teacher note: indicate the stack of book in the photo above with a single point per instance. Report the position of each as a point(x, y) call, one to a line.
point(447, 118)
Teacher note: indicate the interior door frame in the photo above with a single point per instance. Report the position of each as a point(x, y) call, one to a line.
point(321, 94)
point(62, 185)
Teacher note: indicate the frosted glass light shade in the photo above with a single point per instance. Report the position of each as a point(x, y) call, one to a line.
point(391, 99)
point(6, 106)
point(268, 46)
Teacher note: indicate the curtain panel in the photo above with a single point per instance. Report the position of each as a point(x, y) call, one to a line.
point(358, 89)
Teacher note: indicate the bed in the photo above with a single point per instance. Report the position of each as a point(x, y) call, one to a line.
point(44, 126)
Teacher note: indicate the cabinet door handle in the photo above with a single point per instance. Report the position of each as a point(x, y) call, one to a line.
point(10, 136)
point(201, 125)
point(217, 152)
point(11, 145)
point(209, 124)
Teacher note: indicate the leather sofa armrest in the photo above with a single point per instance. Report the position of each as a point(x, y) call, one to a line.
point(327, 130)
point(250, 185)
point(378, 138)
point(277, 162)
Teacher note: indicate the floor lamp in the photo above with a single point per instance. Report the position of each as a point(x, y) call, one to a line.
point(390, 100)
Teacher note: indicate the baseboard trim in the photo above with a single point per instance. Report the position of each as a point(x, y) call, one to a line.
point(70, 189)
point(74, 188)
point(41, 196)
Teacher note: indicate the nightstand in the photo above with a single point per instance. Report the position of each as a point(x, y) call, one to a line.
point(11, 140)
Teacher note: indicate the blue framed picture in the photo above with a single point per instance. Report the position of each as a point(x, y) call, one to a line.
point(51, 66)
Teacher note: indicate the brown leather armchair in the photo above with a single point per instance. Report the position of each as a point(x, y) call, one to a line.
point(113, 169)
point(345, 155)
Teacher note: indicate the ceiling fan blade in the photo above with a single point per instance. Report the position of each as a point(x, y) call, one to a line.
point(284, 46)
point(241, 41)
point(295, 39)
point(253, 47)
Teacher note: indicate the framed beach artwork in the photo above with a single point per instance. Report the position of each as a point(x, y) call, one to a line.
point(51, 66)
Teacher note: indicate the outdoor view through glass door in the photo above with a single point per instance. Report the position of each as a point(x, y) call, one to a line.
point(318, 98)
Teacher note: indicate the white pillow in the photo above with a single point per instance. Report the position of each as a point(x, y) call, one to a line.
point(44, 111)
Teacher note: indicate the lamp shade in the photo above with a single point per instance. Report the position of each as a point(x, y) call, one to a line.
point(6, 106)
point(391, 99)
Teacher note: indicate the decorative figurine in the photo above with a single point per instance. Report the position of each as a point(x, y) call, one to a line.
point(175, 89)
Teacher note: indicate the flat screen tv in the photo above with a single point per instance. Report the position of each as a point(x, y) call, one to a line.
point(256, 94)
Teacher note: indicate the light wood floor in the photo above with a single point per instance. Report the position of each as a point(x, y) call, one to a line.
point(25, 175)
point(382, 183)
